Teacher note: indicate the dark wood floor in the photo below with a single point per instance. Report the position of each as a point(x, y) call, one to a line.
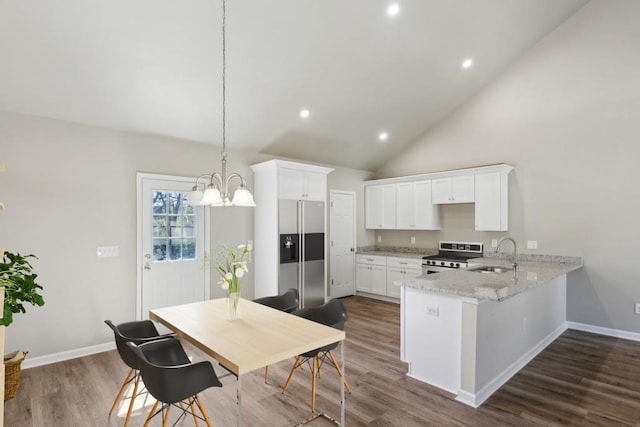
point(581, 379)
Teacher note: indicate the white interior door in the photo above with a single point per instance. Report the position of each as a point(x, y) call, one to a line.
point(343, 243)
point(172, 244)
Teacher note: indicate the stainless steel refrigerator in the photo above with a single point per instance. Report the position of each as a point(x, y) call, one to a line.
point(302, 264)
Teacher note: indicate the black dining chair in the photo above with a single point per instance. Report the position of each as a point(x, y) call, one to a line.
point(287, 302)
point(173, 380)
point(334, 314)
point(138, 332)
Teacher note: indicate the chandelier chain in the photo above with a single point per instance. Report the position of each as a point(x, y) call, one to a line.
point(224, 80)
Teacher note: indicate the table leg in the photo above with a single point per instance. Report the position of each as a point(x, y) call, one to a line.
point(238, 402)
point(342, 403)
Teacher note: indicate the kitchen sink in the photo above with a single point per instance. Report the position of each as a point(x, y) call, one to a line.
point(490, 269)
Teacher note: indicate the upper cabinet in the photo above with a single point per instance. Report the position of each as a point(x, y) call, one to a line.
point(380, 206)
point(453, 189)
point(492, 200)
point(414, 209)
point(300, 184)
point(416, 199)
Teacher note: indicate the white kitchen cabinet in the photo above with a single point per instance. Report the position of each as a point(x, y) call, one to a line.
point(371, 274)
point(401, 269)
point(414, 209)
point(300, 184)
point(380, 206)
point(492, 200)
point(453, 189)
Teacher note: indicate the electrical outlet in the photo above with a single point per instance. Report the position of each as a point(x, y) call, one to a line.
point(433, 311)
point(107, 251)
point(379, 239)
point(637, 308)
point(413, 240)
point(494, 243)
point(532, 244)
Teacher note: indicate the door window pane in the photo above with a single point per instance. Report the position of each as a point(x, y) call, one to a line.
point(174, 227)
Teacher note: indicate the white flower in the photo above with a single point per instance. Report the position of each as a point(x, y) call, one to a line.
point(239, 272)
point(224, 284)
point(228, 276)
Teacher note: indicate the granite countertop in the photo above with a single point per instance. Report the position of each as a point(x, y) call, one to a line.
point(397, 251)
point(534, 270)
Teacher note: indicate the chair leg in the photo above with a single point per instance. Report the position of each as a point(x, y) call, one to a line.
point(335, 363)
point(193, 411)
point(119, 395)
point(153, 410)
point(204, 412)
point(293, 370)
point(165, 422)
point(133, 398)
point(314, 377)
point(266, 374)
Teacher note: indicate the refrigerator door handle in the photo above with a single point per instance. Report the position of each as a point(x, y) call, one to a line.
point(301, 249)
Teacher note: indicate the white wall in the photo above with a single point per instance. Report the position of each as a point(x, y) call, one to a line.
point(567, 116)
point(70, 188)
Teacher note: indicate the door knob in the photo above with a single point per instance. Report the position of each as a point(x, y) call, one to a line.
point(147, 264)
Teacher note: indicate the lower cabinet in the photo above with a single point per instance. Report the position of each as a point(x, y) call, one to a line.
point(371, 274)
point(376, 274)
point(401, 269)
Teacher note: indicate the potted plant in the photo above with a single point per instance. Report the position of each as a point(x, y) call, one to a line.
point(20, 287)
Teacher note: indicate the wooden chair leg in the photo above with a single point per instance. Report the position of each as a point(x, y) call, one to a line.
point(337, 366)
point(193, 411)
point(153, 410)
point(314, 376)
point(133, 398)
point(119, 395)
point(266, 374)
point(204, 412)
point(165, 422)
point(293, 370)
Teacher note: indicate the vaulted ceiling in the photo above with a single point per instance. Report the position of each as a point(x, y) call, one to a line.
point(154, 66)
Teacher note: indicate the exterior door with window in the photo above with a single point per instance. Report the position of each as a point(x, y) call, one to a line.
point(172, 244)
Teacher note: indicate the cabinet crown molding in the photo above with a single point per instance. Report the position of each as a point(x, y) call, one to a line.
point(278, 164)
point(500, 167)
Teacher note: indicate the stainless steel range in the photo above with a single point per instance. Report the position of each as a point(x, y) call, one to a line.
point(451, 255)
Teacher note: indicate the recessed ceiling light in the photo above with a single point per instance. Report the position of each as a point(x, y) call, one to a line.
point(467, 63)
point(393, 9)
point(383, 136)
point(305, 113)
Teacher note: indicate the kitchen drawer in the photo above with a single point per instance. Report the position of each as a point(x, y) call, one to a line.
point(404, 262)
point(371, 259)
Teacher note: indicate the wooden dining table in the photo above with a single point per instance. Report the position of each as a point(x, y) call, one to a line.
point(261, 336)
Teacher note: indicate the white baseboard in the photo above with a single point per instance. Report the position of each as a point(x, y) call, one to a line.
point(32, 362)
point(617, 333)
point(477, 399)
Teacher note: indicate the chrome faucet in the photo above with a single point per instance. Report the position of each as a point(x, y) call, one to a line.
point(515, 252)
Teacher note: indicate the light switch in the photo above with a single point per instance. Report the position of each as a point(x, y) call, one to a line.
point(532, 244)
point(107, 251)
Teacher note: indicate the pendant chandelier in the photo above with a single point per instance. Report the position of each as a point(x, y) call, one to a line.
point(217, 191)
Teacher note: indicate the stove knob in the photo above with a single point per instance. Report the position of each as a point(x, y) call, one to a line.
point(429, 262)
point(442, 263)
point(451, 264)
point(457, 265)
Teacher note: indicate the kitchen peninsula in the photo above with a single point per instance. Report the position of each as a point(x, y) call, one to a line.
point(468, 332)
